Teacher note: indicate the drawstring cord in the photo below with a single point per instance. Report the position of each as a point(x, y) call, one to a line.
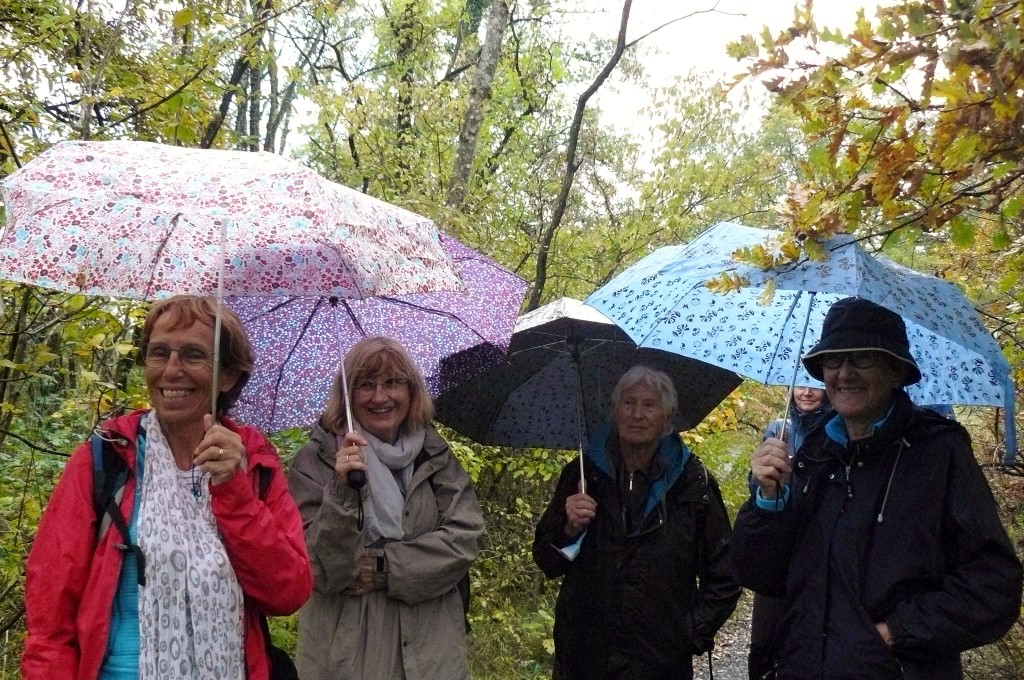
point(904, 444)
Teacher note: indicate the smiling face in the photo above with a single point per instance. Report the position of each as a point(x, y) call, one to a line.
point(640, 418)
point(862, 395)
point(180, 393)
point(381, 404)
point(808, 399)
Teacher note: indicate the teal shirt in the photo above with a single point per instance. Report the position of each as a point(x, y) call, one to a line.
point(121, 661)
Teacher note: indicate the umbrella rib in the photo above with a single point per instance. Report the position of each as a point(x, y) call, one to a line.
point(789, 315)
point(352, 316)
point(159, 251)
point(559, 345)
point(435, 312)
point(291, 352)
point(341, 255)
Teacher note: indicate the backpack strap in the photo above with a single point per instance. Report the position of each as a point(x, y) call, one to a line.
point(109, 475)
point(265, 475)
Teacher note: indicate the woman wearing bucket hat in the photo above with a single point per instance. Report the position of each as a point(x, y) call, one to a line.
point(881, 533)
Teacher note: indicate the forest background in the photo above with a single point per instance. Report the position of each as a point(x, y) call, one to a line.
point(492, 118)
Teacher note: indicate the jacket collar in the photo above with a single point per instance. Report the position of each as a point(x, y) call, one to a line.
point(672, 455)
point(890, 429)
point(125, 429)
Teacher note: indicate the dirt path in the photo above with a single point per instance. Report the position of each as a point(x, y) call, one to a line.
point(729, 659)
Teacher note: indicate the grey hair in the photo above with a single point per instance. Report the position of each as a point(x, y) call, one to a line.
point(656, 380)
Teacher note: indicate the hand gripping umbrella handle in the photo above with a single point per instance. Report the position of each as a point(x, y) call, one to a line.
point(356, 478)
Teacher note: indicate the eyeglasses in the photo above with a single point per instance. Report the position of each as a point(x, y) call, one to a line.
point(390, 385)
point(192, 357)
point(863, 359)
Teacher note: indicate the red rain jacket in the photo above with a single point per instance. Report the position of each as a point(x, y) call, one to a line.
point(71, 579)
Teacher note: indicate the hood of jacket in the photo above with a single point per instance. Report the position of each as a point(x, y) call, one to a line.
point(672, 454)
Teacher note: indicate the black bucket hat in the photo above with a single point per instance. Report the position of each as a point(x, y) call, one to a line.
point(856, 324)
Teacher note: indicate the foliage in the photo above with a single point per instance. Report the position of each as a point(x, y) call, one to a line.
point(372, 94)
point(912, 125)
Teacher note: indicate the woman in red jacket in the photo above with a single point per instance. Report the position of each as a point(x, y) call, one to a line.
point(210, 551)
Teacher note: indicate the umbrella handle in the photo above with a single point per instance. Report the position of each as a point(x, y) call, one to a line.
point(356, 478)
point(215, 392)
point(583, 478)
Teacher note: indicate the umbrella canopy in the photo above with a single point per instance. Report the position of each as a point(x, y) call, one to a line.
point(564, 360)
point(145, 221)
point(300, 341)
point(662, 301)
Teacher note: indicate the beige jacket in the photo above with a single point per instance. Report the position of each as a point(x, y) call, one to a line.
point(415, 628)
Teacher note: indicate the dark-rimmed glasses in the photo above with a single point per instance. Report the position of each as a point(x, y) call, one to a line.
point(192, 357)
point(862, 359)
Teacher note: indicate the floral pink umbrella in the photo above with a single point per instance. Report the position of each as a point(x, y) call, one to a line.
point(146, 221)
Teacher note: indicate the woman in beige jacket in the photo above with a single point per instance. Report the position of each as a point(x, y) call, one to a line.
point(388, 557)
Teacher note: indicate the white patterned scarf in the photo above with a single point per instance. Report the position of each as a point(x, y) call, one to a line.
point(190, 610)
point(388, 465)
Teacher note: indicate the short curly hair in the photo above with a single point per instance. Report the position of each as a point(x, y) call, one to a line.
point(236, 355)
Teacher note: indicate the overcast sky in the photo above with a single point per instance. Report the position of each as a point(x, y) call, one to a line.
point(699, 41)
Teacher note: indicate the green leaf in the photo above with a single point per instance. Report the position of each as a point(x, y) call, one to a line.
point(184, 17)
point(1009, 281)
point(1001, 239)
point(962, 231)
point(919, 24)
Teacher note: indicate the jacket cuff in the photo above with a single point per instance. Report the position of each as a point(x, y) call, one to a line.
point(776, 504)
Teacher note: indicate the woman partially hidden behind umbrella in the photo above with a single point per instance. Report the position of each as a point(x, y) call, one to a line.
point(388, 557)
point(215, 552)
point(809, 410)
point(644, 551)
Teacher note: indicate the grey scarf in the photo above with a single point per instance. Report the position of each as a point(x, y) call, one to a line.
point(389, 472)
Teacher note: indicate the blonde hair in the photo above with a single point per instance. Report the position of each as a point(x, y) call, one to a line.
point(657, 381)
point(375, 357)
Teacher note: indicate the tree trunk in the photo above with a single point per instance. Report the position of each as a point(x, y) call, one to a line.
point(479, 98)
point(571, 165)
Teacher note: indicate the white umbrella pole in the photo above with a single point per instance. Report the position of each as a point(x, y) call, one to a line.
point(341, 360)
point(580, 418)
point(796, 369)
point(356, 478)
point(217, 319)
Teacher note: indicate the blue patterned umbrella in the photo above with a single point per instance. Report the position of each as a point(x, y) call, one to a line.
point(662, 302)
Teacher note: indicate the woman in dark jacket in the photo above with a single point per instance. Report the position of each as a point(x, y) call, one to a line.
point(642, 547)
point(809, 409)
point(882, 533)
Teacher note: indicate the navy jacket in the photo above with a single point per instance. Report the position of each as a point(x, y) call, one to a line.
point(900, 527)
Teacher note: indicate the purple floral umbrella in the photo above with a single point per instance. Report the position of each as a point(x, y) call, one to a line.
point(299, 341)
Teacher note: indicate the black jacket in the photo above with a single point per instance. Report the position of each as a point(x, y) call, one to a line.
point(629, 605)
point(900, 527)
